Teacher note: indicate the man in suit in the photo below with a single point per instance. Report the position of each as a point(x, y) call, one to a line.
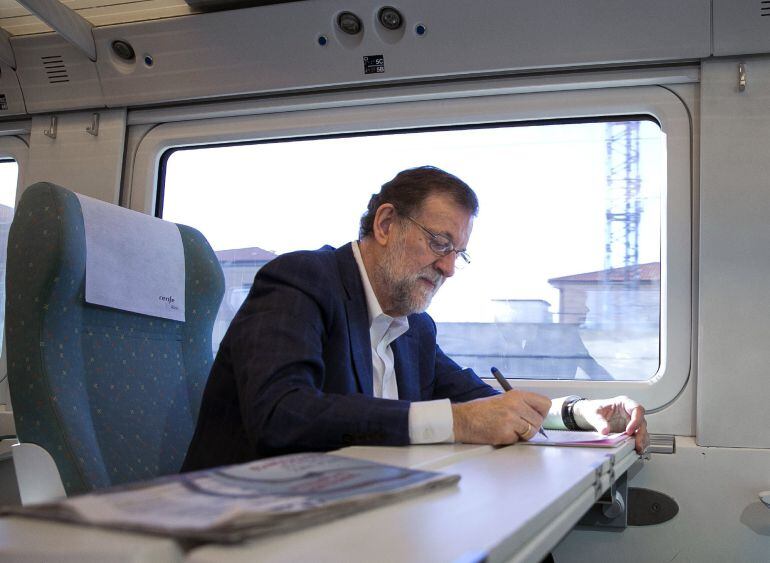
point(332, 347)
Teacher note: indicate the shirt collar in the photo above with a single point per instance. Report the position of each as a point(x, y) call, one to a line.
point(372, 304)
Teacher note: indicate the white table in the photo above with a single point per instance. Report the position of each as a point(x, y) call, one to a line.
point(511, 504)
point(26, 540)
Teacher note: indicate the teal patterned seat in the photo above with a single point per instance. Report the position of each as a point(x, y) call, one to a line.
point(112, 396)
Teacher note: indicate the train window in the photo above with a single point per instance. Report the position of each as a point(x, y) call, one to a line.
point(565, 279)
point(9, 172)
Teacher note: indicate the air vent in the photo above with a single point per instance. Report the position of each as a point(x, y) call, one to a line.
point(764, 8)
point(55, 69)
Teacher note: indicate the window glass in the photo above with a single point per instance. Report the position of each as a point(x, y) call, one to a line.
point(565, 275)
point(9, 172)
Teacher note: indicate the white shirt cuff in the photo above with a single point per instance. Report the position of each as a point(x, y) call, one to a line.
point(431, 422)
point(554, 420)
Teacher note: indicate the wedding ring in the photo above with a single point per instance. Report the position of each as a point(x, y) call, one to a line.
point(526, 435)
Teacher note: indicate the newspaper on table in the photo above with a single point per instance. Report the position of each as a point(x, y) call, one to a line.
point(232, 503)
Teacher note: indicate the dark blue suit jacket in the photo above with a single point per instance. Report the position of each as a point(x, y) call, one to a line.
point(294, 371)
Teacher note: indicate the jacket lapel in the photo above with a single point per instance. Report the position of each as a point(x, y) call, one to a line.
point(358, 318)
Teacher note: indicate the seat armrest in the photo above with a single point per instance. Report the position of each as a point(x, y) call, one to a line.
point(36, 474)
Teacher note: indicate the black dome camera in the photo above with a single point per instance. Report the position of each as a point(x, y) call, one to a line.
point(390, 18)
point(349, 23)
point(123, 50)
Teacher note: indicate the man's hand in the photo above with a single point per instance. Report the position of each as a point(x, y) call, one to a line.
point(502, 419)
point(619, 414)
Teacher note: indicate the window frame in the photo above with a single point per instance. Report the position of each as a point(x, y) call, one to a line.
point(11, 147)
point(658, 102)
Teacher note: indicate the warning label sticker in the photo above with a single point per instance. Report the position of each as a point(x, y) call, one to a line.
point(374, 64)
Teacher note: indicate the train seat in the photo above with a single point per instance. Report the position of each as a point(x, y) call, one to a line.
point(110, 396)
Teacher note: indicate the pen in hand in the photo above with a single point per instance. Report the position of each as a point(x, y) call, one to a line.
point(507, 387)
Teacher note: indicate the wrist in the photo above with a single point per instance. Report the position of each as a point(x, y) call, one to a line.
point(459, 422)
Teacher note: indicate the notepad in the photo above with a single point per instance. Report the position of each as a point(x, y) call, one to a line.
point(578, 438)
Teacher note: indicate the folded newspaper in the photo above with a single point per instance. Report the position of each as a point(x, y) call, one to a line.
point(232, 503)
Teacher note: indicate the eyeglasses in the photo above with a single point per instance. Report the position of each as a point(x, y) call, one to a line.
point(442, 246)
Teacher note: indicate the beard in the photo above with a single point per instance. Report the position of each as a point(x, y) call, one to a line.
point(409, 293)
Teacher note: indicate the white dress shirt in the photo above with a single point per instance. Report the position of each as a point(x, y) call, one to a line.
point(429, 421)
